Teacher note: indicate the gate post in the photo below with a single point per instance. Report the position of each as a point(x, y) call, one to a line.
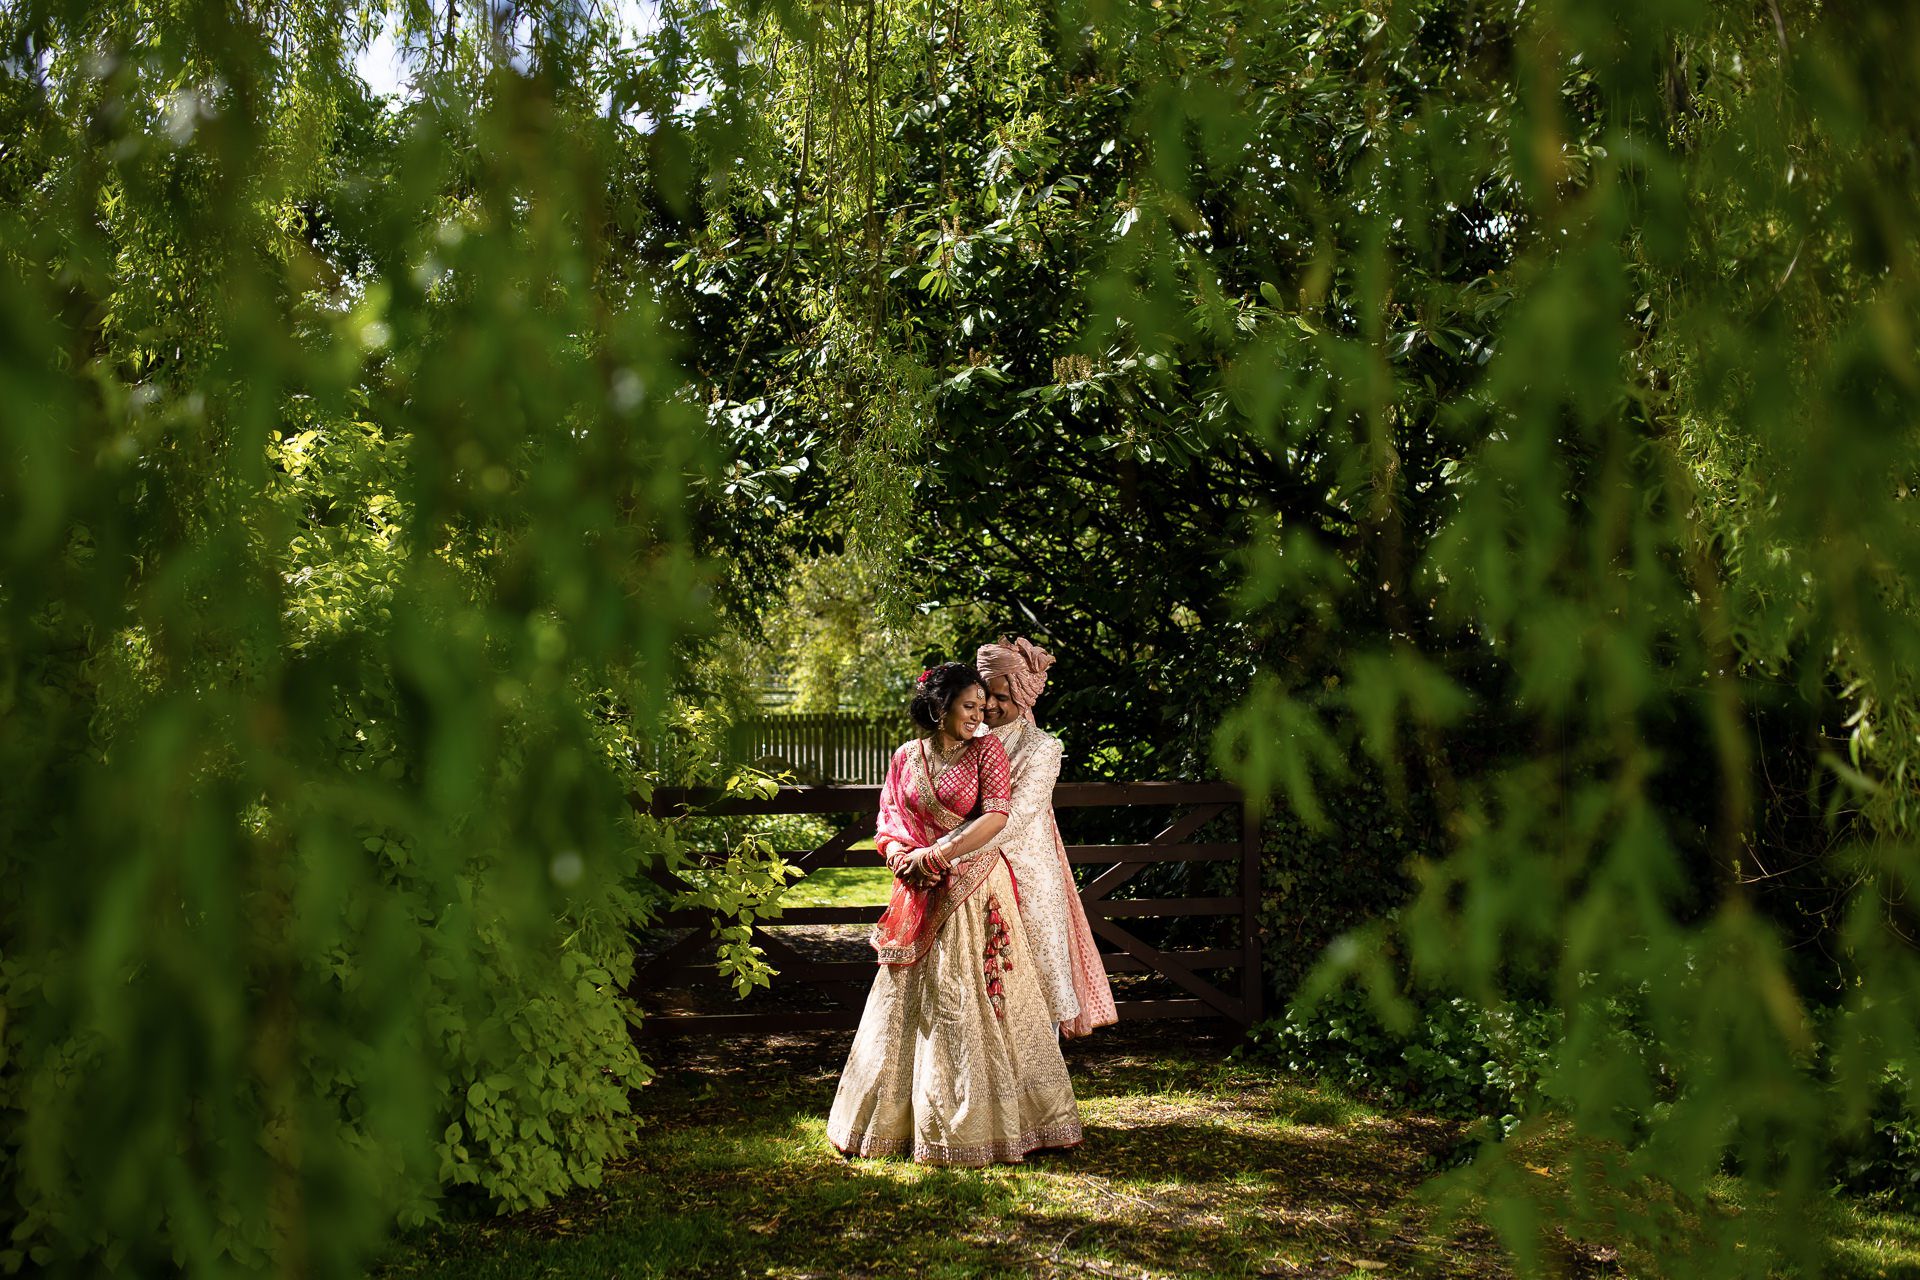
point(1251, 982)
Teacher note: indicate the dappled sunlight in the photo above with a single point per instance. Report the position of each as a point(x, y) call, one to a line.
point(1878, 1244)
point(1189, 1167)
point(1193, 1164)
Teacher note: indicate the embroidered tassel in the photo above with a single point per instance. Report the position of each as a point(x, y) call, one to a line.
point(997, 962)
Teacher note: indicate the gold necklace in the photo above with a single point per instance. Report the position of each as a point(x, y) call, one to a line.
point(950, 754)
point(947, 759)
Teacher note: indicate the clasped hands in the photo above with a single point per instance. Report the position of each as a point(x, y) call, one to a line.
point(920, 868)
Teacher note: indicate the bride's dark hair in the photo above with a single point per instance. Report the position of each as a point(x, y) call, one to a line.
point(937, 689)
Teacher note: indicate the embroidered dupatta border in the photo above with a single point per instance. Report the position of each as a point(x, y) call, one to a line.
point(961, 883)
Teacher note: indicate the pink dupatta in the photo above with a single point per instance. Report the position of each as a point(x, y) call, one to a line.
point(916, 809)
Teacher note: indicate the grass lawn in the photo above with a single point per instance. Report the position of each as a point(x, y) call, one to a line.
point(1871, 1242)
point(1192, 1166)
point(841, 887)
point(1189, 1168)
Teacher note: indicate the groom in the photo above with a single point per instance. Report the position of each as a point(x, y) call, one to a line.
point(1071, 973)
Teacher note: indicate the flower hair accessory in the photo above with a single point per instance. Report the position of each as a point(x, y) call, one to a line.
point(921, 683)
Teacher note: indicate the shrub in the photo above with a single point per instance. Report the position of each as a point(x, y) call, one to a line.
point(1883, 1157)
point(1457, 1060)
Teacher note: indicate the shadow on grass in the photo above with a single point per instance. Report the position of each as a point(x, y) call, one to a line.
point(1191, 1167)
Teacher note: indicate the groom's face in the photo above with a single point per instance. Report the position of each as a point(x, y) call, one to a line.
point(1000, 705)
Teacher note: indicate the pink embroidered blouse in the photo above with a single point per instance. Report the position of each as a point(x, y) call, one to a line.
point(920, 803)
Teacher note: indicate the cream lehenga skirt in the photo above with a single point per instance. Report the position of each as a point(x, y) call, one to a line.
point(957, 1060)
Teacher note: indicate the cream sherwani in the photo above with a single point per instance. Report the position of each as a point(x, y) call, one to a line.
point(1072, 977)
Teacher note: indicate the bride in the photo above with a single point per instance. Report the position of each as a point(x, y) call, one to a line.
point(957, 1060)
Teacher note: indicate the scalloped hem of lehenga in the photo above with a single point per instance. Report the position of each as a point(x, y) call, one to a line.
point(1053, 1137)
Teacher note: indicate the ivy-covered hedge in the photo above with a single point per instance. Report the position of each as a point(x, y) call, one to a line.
point(1317, 884)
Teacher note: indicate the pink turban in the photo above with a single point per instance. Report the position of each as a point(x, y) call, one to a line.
point(1023, 663)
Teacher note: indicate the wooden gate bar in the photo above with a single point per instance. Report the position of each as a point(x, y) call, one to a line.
point(1165, 965)
point(838, 851)
point(1152, 852)
point(1128, 908)
point(1252, 982)
point(826, 856)
point(810, 970)
point(845, 981)
point(1217, 958)
point(672, 802)
point(849, 990)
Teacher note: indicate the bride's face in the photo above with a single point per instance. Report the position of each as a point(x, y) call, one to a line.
point(964, 713)
point(1000, 704)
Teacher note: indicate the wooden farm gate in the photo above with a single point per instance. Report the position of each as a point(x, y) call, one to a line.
point(1189, 806)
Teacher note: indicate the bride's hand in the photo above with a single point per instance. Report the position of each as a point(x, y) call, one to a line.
point(921, 871)
point(905, 866)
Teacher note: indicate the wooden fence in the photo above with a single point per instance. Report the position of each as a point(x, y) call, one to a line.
point(1190, 807)
point(821, 748)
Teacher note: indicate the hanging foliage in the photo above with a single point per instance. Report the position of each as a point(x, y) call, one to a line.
point(1483, 427)
point(1507, 411)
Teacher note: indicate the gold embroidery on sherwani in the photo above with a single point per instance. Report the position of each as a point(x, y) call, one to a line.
point(1059, 943)
point(1027, 841)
